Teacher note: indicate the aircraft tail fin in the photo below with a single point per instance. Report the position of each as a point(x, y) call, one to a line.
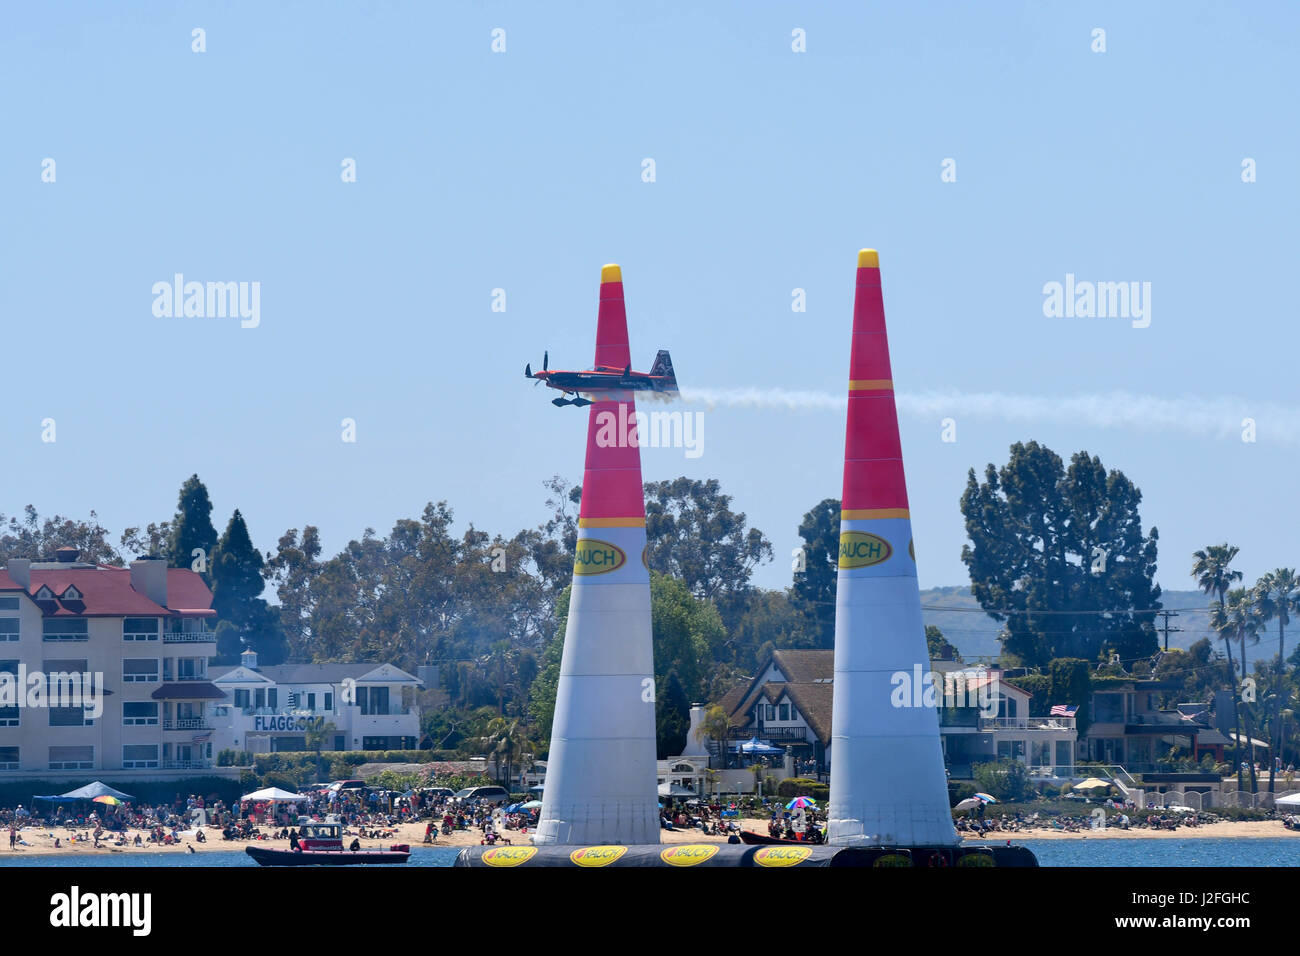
point(664, 366)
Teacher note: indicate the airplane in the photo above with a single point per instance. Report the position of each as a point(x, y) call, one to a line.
point(604, 378)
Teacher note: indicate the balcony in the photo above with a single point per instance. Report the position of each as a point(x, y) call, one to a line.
point(189, 637)
point(186, 723)
point(200, 764)
point(1027, 723)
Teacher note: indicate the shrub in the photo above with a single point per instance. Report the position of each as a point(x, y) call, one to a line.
point(1006, 779)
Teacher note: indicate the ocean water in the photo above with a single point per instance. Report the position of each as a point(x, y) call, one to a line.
point(1072, 853)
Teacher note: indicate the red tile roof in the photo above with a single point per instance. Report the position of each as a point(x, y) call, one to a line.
point(107, 592)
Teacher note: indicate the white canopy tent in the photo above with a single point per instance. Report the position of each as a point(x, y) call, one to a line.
point(274, 795)
point(1291, 802)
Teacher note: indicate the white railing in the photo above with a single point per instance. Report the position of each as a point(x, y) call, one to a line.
point(1027, 723)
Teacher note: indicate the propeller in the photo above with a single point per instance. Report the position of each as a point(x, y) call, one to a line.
point(546, 357)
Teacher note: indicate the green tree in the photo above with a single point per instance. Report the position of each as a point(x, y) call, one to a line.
point(1070, 683)
point(191, 530)
point(319, 732)
point(1236, 618)
point(716, 726)
point(505, 739)
point(692, 534)
point(1058, 554)
point(938, 646)
point(236, 593)
point(814, 585)
point(1278, 597)
point(672, 716)
point(37, 539)
point(1005, 779)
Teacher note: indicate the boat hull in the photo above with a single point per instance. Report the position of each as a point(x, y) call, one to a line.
point(266, 856)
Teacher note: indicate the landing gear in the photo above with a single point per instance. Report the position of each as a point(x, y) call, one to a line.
point(559, 402)
point(579, 402)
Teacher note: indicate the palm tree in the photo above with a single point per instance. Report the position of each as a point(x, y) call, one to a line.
point(505, 738)
point(1239, 618)
point(1278, 595)
point(716, 725)
point(1213, 572)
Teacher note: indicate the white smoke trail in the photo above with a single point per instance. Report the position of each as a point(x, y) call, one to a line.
point(1197, 417)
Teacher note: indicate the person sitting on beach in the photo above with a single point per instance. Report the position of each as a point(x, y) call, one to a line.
point(199, 837)
point(355, 845)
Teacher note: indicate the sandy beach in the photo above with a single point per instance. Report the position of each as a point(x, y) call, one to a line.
point(41, 841)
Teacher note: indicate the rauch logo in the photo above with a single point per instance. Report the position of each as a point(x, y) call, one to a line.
point(688, 855)
point(509, 855)
point(597, 855)
point(858, 549)
point(597, 557)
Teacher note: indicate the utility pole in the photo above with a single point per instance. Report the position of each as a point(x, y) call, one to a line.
point(1166, 630)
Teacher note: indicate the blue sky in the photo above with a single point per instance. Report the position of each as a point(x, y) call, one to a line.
point(522, 170)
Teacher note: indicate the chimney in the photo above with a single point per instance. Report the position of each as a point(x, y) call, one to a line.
point(694, 745)
point(67, 555)
point(20, 569)
point(149, 577)
point(248, 659)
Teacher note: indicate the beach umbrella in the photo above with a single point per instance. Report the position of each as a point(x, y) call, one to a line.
point(1092, 783)
point(799, 803)
point(530, 805)
point(111, 801)
point(970, 803)
point(985, 797)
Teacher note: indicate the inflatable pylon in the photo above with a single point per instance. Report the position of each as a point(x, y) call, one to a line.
point(888, 785)
point(602, 775)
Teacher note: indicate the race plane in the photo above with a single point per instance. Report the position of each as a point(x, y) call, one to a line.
point(603, 379)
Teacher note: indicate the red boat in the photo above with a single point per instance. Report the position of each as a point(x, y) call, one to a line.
point(322, 845)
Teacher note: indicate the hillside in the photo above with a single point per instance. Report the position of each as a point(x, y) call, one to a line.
point(974, 633)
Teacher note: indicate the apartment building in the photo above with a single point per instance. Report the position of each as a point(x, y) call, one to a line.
point(143, 635)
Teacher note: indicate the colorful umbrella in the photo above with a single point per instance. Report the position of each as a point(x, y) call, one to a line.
point(800, 803)
point(111, 801)
point(985, 797)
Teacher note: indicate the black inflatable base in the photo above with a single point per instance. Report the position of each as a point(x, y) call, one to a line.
point(694, 855)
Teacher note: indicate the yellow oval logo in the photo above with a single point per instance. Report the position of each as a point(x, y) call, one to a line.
point(597, 855)
point(858, 549)
point(597, 557)
point(509, 855)
point(782, 855)
point(688, 854)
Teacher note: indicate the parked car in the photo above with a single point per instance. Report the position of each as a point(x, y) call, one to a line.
point(472, 795)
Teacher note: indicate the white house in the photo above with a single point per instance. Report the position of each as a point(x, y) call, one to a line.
point(270, 709)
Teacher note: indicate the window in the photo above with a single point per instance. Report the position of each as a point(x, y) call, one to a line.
point(9, 628)
point(72, 758)
point(8, 758)
point(771, 711)
point(139, 756)
point(70, 717)
point(139, 713)
point(241, 699)
point(66, 629)
point(329, 703)
point(311, 701)
point(340, 742)
point(9, 716)
point(273, 697)
point(785, 711)
point(191, 668)
point(8, 604)
point(373, 700)
point(139, 628)
point(139, 670)
point(70, 593)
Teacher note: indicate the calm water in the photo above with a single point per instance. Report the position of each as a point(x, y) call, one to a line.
point(1138, 852)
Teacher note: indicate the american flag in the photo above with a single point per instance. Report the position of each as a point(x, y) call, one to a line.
point(203, 738)
point(1060, 710)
